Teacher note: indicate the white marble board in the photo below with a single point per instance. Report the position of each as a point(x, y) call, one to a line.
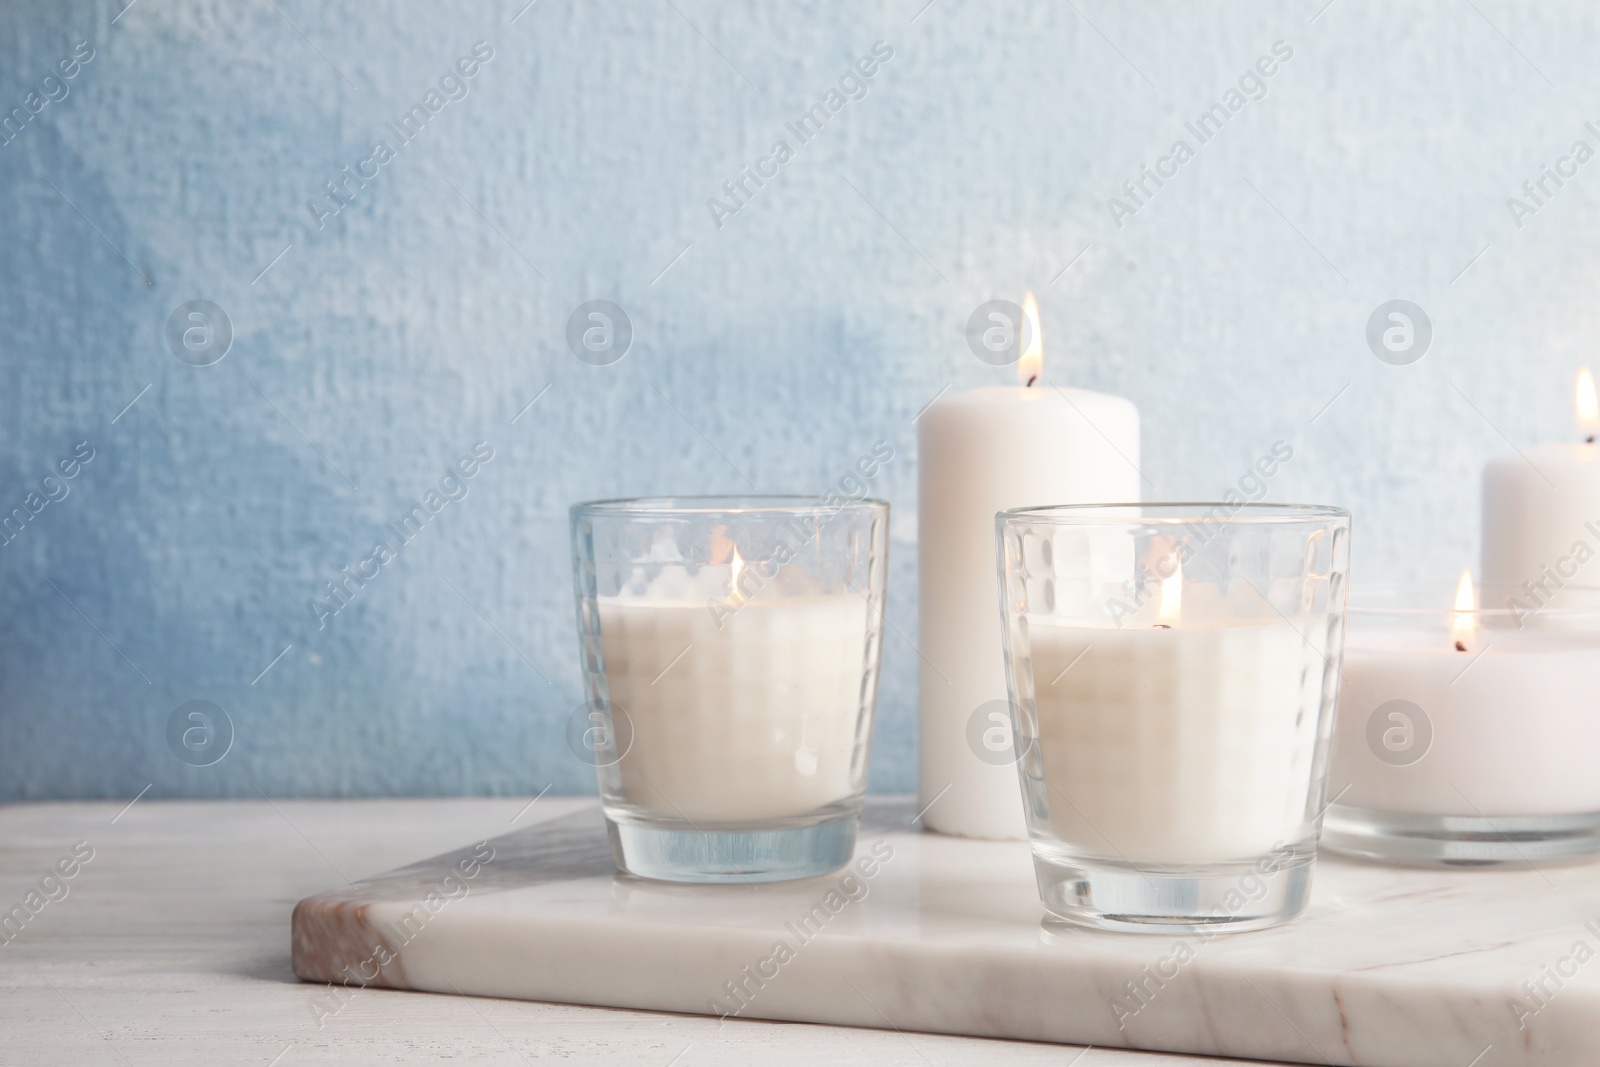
point(1389, 967)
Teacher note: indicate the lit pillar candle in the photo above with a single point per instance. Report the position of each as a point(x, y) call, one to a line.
point(1541, 516)
point(980, 452)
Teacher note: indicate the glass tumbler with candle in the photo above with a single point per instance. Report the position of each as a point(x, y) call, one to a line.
point(730, 657)
point(1173, 670)
point(1468, 732)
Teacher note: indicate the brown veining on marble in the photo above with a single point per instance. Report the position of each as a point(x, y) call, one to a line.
point(946, 937)
point(1344, 1020)
point(335, 939)
point(331, 941)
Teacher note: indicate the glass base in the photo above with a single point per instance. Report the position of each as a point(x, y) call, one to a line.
point(1223, 898)
point(1460, 841)
point(674, 854)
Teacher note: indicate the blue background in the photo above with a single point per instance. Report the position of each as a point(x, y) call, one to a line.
point(770, 352)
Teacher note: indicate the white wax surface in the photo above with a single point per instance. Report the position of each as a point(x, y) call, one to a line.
point(1533, 527)
point(758, 719)
point(980, 452)
point(1517, 734)
point(1177, 745)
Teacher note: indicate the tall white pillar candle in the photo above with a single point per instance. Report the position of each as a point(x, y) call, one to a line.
point(980, 452)
point(1541, 519)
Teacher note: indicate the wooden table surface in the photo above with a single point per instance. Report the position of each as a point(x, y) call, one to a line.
point(171, 946)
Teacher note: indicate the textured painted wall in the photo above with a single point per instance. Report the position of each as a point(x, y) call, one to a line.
point(373, 346)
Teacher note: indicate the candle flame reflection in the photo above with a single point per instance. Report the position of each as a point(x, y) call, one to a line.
point(1462, 624)
point(1031, 365)
point(735, 566)
point(1171, 609)
point(1588, 406)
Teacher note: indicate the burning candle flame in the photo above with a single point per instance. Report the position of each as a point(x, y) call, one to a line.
point(1031, 365)
point(1587, 405)
point(1171, 609)
point(1462, 624)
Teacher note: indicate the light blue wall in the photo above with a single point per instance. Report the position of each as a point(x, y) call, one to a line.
point(773, 351)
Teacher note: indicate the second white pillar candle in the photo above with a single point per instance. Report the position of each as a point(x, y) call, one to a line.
point(981, 452)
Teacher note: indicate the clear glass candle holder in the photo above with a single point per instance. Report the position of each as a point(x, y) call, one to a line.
point(1468, 735)
point(1173, 670)
point(730, 658)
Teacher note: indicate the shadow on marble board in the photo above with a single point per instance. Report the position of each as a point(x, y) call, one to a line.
point(331, 928)
point(563, 849)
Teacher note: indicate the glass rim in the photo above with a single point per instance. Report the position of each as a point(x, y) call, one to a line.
point(1442, 599)
point(1177, 513)
point(726, 504)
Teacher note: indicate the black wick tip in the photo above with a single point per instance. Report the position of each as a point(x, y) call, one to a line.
point(1587, 440)
point(1461, 646)
point(1035, 378)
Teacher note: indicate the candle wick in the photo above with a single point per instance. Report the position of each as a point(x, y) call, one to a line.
point(1162, 626)
point(1589, 440)
point(1461, 646)
point(1035, 377)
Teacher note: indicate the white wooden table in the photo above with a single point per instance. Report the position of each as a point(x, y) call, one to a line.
point(171, 946)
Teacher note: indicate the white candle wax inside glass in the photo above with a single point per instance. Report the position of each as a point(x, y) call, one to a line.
point(755, 718)
point(1176, 745)
point(1512, 724)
